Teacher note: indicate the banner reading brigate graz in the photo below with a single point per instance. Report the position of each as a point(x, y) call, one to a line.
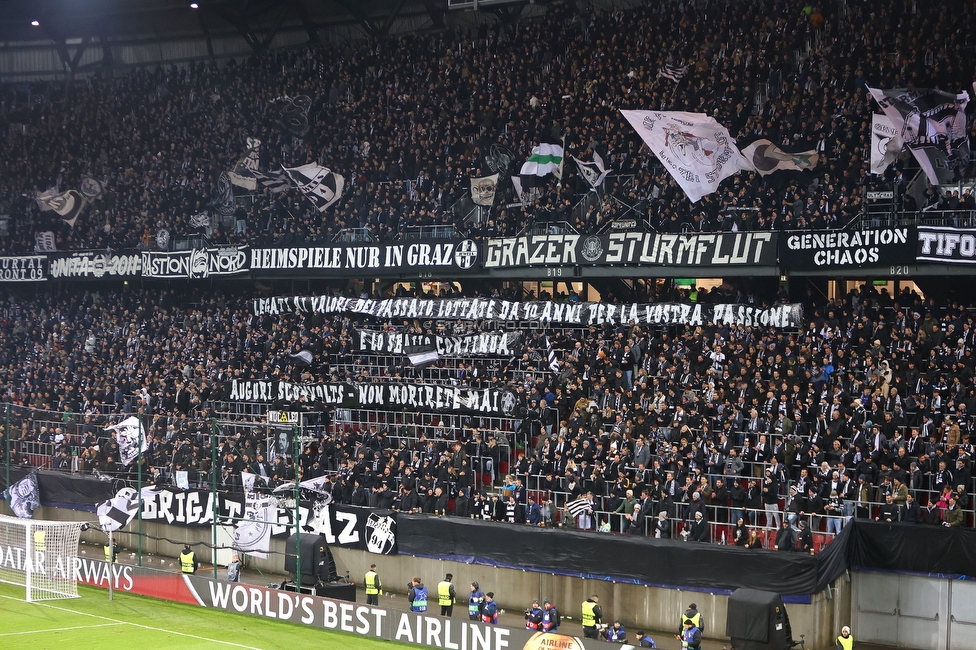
point(542, 312)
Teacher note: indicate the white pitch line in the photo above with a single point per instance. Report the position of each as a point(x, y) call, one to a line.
point(145, 627)
point(60, 629)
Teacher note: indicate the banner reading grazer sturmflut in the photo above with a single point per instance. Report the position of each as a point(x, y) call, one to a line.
point(542, 312)
point(482, 344)
point(719, 250)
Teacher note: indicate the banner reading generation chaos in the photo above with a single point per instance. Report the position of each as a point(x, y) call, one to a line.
point(542, 312)
point(420, 397)
point(644, 248)
point(482, 344)
point(842, 249)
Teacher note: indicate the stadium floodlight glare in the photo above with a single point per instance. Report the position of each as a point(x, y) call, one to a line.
point(35, 23)
point(40, 556)
point(194, 5)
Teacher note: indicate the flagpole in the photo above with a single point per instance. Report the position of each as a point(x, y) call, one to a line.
point(298, 521)
point(138, 493)
point(6, 441)
point(213, 475)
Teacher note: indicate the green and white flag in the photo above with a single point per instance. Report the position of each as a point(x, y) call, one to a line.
point(545, 159)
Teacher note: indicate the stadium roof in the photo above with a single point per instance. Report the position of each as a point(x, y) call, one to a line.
point(256, 20)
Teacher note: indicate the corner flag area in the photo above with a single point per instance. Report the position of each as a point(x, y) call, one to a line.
point(129, 621)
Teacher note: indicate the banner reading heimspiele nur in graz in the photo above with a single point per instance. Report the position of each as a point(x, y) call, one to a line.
point(843, 249)
point(353, 259)
point(542, 312)
point(420, 397)
point(644, 248)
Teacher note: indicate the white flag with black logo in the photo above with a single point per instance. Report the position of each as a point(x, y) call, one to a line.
point(593, 172)
point(91, 188)
point(129, 433)
point(253, 533)
point(24, 496)
point(483, 189)
point(886, 143)
point(120, 510)
point(320, 185)
point(696, 150)
point(44, 242)
point(932, 124)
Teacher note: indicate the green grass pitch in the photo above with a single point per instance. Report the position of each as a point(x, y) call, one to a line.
point(140, 623)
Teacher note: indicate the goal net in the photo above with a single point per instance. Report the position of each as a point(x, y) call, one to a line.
point(40, 556)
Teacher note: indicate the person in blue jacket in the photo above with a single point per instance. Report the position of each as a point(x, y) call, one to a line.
point(616, 633)
point(475, 600)
point(550, 617)
point(489, 611)
point(417, 596)
point(644, 640)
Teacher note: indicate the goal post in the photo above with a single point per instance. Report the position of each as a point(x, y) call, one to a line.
point(40, 556)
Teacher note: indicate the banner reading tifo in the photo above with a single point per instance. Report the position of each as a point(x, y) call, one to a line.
point(946, 245)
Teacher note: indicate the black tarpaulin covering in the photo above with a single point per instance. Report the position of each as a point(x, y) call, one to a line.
point(911, 547)
point(641, 559)
point(756, 620)
point(66, 490)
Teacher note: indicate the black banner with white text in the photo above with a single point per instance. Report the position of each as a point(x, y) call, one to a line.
point(353, 259)
point(541, 312)
point(946, 245)
point(643, 248)
point(830, 250)
point(484, 344)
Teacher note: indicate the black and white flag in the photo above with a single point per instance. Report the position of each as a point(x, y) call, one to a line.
point(68, 205)
point(24, 496)
point(45, 199)
point(275, 181)
point(223, 201)
point(90, 188)
point(120, 510)
point(483, 189)
point(886, 143)
point(201, 220)
point(44, 242)
point(673, 72)
point(320, 185)
point(932, 124)
point(243, 173)
point(594, 172)
point(293, 114)
point(579, 507)
point(131, 437)
point(551, 357)
point(303, 358)
point(422, 356)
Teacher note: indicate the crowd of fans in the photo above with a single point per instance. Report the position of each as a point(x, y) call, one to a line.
point(408, 120)
point(863, 412)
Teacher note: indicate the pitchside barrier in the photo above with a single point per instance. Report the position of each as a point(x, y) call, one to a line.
point(315, 611)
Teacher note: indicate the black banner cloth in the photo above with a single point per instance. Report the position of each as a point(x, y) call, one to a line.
point(544, 312)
